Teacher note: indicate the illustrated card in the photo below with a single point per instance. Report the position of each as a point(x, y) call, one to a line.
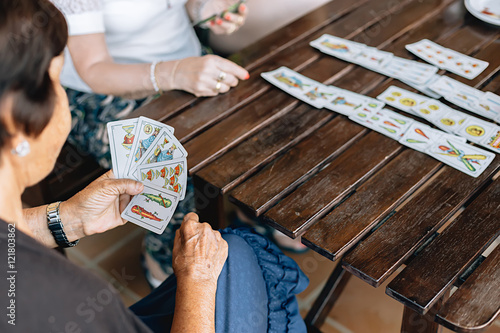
point(386, 122)
point(461, 156)
point(476, 130)
point(121, 138)
point(419, 136)
point(147, 132)
point(410, 71)
point(401, 99)
point(492, 141)
point(431, 110)
point(424, 88)
point(316, 96)
point(458, 93)
point(429, 51)
point(373, 58)
point(152, 209)
point(451, 122)
point(489, 106)
point(338, 47)
point(170, 175)
point(165, 148)
point(347, 103)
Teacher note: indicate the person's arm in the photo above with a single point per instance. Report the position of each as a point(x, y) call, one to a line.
point(95, 209)
point(197, 75)
point(200, 10)
point(198, 258)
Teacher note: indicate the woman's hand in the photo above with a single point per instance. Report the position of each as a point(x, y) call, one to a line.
point(228, 22)
point(98, 207)
point(201, 76)
point(199, 253)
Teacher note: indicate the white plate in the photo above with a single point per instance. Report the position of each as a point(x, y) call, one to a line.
point(485, 10)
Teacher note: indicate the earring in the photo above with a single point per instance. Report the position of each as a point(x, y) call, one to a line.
point(22, 149)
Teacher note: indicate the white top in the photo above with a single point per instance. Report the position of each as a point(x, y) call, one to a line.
point(136, 31)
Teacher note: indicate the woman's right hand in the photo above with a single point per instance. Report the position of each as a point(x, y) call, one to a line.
point(200, 75)
point(199, 253)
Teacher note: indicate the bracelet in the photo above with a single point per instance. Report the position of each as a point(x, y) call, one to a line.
point(153, 78)
point(172, 74)
point(56, 227)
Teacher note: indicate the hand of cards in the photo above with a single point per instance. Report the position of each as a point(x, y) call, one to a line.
point(448, 148)
point(147, 151)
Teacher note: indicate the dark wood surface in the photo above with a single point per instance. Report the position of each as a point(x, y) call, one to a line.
point(346, 190)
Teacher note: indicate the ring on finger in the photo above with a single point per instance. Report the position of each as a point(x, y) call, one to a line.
point(240, 20)
point(218, 85)
point(231, 30)
point(222, 76)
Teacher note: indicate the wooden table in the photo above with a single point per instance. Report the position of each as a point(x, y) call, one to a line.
point(351, 193)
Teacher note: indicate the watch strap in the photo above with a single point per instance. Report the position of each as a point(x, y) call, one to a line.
point(56, 227)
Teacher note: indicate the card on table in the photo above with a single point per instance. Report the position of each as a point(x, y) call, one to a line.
point(121, 138)
point(424, 88)
point(450, 60)
point(409, 71)
point(431, 110)
point(476, 130)
point(493, 141)
point(171, 175)
point(451, 122)
point(461, 156)
point(165, 148)
point(347, 103)
point(147, 132)
point(420, 136)
point(338, 47)
point(373, 58)
point(298, 85)
point(401, 99)
point(152, 209)
point(458, 93)
point(489, 106)
point(386, 122)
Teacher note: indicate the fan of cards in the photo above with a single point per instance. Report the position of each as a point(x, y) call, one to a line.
point(147, 151)
point(448, 148)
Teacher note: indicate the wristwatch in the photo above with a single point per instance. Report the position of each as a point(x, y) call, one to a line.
point(56, 227)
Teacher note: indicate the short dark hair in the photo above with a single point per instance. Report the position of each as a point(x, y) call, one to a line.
point(32, 33)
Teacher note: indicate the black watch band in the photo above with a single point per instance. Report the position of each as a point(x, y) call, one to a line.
point(56, 227)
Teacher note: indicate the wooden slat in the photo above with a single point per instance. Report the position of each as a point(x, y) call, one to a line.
point(318, 195)
point(476, 304)
point(236, 165)
point(287, 172)
point(440, 264)
point(381, 254)
point(334, 234)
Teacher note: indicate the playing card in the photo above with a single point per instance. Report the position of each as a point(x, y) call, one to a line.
point(147, 132)
point(347, 103)
point(476, 130)
point(338, 47)
point(373, 58)
point(451, 122)
point(165, 148)
point(424, 88)
point(401, 99)
point(431, 110)
point(419, 136)
point(461, 156)
point(458, 93)
point(493, 140)
point(171, 175)
point(386, 122)
point(489, 106)
point(121, 138)
point(152, 209)
point(429, 51)
point(316, 96)
point(409, 71)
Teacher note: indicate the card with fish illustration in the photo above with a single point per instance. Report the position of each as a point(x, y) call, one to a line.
point(165, 148)
point(489, 106)
point(492, 141)
point(347, 103)
point(147, 132)
point(290, 81)
point(170, 175)
point(386, 122)
point(121, 136)
point(461, 156)
point(401, 99)
point(152, 209)
point(458, 93)
point(338, 47)
point(476, 130)
point(451, 122)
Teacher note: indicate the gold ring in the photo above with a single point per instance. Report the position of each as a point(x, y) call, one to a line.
point(218, 85)
point(240, 20)
point(222, 76)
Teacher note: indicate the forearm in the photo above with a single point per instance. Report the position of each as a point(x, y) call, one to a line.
point(194, 307)
point(36, 220)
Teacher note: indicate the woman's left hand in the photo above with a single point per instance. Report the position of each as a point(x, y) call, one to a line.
point(228, 22)
point(98, 207)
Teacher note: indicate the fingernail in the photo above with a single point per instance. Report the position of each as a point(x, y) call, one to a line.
point(227, 17)
point(218, 21)
point(247, 76)
point(212, 22)
point(139, 186)
point(243, 8)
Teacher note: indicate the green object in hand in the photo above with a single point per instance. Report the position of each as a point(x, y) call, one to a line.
point(231, 9)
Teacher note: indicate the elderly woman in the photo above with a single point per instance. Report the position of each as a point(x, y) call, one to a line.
point(233, 281)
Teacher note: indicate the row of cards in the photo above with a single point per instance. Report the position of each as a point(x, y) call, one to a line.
point(380, 61)
point(448, 148)
point(475, 130)
point(148, 151)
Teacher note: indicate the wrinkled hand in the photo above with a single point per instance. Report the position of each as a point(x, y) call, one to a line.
point(98, 207)
point(200, 75)
point(227, 23)
point(199, 252)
